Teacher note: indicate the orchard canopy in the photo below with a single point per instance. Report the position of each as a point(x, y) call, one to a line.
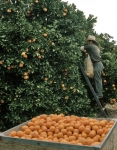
point(39, 54)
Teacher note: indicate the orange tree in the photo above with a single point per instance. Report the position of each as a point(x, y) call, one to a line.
point(39, 51)
point(109, 57)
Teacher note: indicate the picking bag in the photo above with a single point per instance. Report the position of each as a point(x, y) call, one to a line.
point(88, 67)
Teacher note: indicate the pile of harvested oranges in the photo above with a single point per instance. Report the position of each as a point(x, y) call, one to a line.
point(65, 129)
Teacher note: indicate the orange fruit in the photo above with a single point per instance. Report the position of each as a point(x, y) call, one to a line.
point(33, 119)
point(98, 137)
point(34, 134)
point(92, 133)
point(48, 124)
point(52, 129)
point(64, 131)
point(103, 135)
point(95, 128)
point(95, 139)
point(60, 135)
point(111, 122)
point(107, 130)
point(76, 131)
point(37, 127)
point(70, 128)
point(99, 131)
point(72, 138)
point(27, 131)
point(32, 128)
point(53, 123)
point(82, 140)
point(87, 130)
point(57, 131)
point(91, 124)
point(30, 123)
point(81, 128)
point(89, 141)
point(20, 133)
point(13, 133)
point(24, 127)
point(97, 123)
point(61, 127)
point(85, 122)
point(45, 35)
point(44, 129)
point(40, 123)
point(67, 120)
point(69, 133)
point(101, 139)
point(102, 123)
point(28, 136)
point(84, 135)
point(50, 133)
point(76, 135)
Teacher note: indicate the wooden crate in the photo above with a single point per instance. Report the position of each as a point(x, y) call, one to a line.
point(9, 143)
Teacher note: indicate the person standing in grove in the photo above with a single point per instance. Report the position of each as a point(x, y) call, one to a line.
point(92, 49)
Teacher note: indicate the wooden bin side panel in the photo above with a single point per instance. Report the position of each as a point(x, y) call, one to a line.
point(9, 145)
point(111, 142)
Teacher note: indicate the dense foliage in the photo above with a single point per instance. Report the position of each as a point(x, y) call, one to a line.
point(39, 54)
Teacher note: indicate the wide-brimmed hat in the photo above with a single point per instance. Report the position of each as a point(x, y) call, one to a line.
point(91, 38)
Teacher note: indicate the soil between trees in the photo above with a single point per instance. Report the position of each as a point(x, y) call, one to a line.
point(111, 109)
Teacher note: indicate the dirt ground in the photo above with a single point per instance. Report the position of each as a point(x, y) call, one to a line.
point(110, 110)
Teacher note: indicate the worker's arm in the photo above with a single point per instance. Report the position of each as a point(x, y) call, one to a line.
point(82, 49)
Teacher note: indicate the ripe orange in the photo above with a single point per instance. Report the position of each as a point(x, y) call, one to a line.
point(24, 127)
point(72, 138)
point(81, 128)
point(29, 41)
point(86, 122)
point(23, 53)
point(95, 138)
point(43, 116)
point(27, 131)
point(60, 127)
point(13, 133)
point(34, 134)
point(36, 127)
point(20, 133)
point(52, 129)
point(64, 131)
point(60, 135)
point(69, 133)
point(9, 10)
point(70, 128)
point(26, 77)
point(82, 140)
point(92, 133)
point(40, 123)
point(111, 122)
point(21, 65)
point(102, 123)
point(99, 131)
point(39, 56)
point(64, 14)
point(30, 123)
point(87, 130)
point(89, 141)
point(32, 128)
point(45, 9)
point(95, 127)
point(45, 35)
point(48, 124)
